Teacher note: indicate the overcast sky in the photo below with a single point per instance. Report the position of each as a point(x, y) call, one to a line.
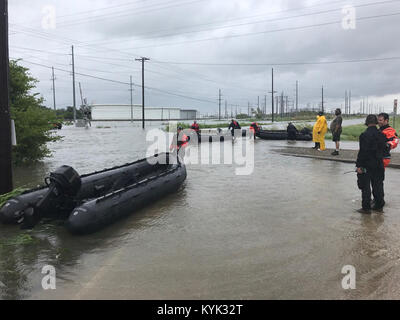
point(203, 35)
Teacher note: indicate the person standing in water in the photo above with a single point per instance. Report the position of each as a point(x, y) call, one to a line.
point(370, 168)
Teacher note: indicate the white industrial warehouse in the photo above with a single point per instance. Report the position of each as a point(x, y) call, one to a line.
point(123, 112)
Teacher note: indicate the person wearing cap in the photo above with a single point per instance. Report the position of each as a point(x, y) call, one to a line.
point(319, 131)
point(370, 168)
point(336, 129)
point(180, 140)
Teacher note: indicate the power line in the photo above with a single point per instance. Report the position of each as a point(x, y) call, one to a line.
point(124, 83)
point(283, 63)
point(263, 32)
point(125, 13)
point(267, 20)
point(230, 20)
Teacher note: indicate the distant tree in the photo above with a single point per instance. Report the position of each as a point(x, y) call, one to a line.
point(259, 114)
point(68, 114)
point(242, 116)
point(33, 121)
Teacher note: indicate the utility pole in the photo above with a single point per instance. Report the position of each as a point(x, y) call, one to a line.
point(226, 108)
point(297, 96)
point(349, 102)
point(345, 102)
point(272, 94)
point(53, 78)
point(287, 106)
point(131, 90)
point(265, 104)
point(258, 102)
point(73, 83)
point(142, 59)
point(248, 108)
point(6, 184)
point(219, 105)
point(322, 98)
point(80, 90)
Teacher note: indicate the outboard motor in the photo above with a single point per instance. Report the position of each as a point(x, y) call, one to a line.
point(64, 182)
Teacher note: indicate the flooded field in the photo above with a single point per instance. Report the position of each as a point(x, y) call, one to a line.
point(283, 232)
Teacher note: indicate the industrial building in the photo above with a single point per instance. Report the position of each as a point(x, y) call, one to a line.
point(125, 112)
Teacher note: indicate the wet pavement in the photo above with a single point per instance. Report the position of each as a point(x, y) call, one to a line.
point(345, 155)
point(284, 232)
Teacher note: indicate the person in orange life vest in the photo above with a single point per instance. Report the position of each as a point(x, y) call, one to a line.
point(254, 128)
point(392, 140)
point(195, 127)
point(234, 125)
point(180, 140)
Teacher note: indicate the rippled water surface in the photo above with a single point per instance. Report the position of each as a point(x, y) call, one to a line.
point(284, 232)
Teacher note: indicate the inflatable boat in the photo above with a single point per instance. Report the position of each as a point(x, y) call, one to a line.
point(282, 135)
point(217, 135)
point(90, 202)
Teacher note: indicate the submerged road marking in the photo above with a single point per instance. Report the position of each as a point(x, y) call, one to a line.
point(92, 283)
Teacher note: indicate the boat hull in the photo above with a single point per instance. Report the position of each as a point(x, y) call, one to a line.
point(99, 213)
point(281, 135)
point(94, 185)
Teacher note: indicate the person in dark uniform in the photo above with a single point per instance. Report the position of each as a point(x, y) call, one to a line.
point(370, 170)
point(291, 131)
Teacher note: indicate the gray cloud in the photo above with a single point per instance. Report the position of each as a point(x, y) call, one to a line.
point(116, 34)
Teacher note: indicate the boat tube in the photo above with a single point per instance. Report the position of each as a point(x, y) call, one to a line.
point(98, 213)
point(217, 135)
point(282, 135)
point(66, 190)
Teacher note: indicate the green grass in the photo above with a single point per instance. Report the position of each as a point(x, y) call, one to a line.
point(352, 133)
point(18, 240)
point(7, 196)
point(349, 133)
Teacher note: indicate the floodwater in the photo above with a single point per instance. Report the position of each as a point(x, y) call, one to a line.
point(283, 232)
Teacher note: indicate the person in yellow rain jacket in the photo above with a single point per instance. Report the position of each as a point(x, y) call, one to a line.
point(319, 131)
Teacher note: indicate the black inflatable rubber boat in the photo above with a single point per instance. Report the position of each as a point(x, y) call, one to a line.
point(212, 136)
point(282, 135)
point(90, 202)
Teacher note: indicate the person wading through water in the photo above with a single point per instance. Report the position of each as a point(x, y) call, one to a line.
point(179, 142)
point(319, 130)
point(370, 169)
point(232, 126)
point(254, 128)
point(195, 127)
point(336, 129)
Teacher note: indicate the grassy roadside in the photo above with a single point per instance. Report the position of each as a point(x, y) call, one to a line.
point(351, 133)
point(5, 197)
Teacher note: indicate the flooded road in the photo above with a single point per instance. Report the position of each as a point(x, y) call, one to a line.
point(284, 232)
